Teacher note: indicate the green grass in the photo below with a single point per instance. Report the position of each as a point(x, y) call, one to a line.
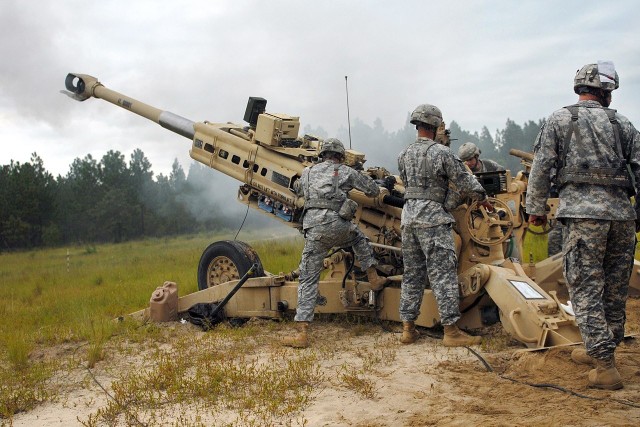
point(68, 297)
point(222, 370)
point(72, 294)
point(280, 256)
point(60, 295)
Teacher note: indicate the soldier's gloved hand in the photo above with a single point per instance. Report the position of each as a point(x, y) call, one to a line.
point(486, 204)
point(538, 220)
point(389, 182)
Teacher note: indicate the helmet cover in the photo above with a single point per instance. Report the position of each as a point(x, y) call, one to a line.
point(333, 145)
point(602, 75)
point(468, 151)
point(427, 114)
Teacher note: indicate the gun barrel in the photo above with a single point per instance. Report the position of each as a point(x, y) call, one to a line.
point(522, 154)
point(83, 87)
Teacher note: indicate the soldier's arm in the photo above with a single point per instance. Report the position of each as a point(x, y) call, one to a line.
point(545, 158)
point(634, 161)
point(365, 184)
point(401, 171)
point(464, 180)
point(302, 182)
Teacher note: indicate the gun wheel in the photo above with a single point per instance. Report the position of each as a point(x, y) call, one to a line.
point(226, 260)
point(482, 224)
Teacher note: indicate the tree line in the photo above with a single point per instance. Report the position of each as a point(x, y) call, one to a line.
point(106, 200)
point(114, 200)
point(381, 147)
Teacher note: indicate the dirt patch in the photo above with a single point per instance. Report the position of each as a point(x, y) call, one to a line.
point(369, 379)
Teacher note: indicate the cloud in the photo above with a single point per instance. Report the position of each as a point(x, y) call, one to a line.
point(481, 62)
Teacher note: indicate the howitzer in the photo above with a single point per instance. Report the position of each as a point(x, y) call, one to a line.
point(267, 157)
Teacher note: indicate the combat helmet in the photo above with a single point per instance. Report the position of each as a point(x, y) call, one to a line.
point(468, 151)
point(427, 114)
point(333, 145)
point(602, 75)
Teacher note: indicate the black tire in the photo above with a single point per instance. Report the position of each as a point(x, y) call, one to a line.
point(226, 260)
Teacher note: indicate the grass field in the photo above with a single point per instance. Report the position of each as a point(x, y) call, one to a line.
point(70, 296)
point(60, 295)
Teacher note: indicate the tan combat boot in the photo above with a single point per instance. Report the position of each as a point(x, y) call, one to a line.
point(299, 340)
point(376, 282)
point(454, 337)
point(409, 333)
point(579, 355)
point(605, 375)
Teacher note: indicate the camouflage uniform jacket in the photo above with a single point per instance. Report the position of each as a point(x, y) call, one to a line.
point(488, 165)
point(447, 167)
point(583, 200)
point(317, 183)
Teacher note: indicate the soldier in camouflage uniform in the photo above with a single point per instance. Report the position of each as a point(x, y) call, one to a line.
point(327, 224)
point(554, 239)
point(428, 250)
point(597, 153)
point(470, 154)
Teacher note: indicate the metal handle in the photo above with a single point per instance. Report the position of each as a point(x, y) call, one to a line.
point(234, 290)
point(516, 329)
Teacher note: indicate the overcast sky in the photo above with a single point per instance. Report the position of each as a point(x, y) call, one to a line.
point(481, 62)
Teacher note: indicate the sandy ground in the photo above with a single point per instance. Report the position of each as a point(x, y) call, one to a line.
point(423, 384)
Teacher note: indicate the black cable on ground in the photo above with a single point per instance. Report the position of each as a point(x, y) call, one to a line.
point(124, 408)
point(484, 362)
point(144, 323)
point(548, 385)
point(376, 317)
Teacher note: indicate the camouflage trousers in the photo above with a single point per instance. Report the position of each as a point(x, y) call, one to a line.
point(598, 260)
point(317, 242)
point(429, 259)
point(554, 239)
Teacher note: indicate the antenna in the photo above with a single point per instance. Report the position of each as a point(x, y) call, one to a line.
point(346, 87)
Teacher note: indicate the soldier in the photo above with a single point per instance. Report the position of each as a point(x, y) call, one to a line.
point(428, 249)
point(597, 152)
point(327, 224)
point(470, 153)
point(554, 237)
